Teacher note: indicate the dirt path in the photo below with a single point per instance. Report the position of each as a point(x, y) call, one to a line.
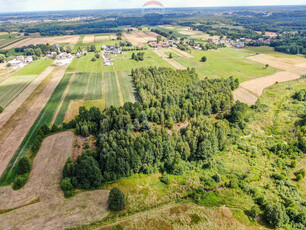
point(183, 53)
point(13, 141)
point(172, 62)
point(250, 90)
point(17, 102)
point(52, 211)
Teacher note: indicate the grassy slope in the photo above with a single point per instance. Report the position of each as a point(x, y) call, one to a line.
point(84, 64)
point(226, 62)
point(45, 117)
point(95, 87)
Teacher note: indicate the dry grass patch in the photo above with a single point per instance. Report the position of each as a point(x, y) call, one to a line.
point(89, 38)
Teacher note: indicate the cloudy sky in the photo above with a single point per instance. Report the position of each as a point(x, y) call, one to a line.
point(45, 5)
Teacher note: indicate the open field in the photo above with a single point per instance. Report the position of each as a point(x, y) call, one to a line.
point(293, 66)
point(226, 62)
point(287, 64)
point(112, 92)
point(175, 64)
point(20, 139)
point(136, 37)
point(84, 64)
point(18, 101)
point(44, 40)
point(40, 204)
point(13, 86)
point(89, 38)
point(127, 86)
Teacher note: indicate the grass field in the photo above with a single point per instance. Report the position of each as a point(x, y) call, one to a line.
point(127, 86)
point(10, 88)
point(36, 67)
point(121, 63)
point(13, 86)
point(270, 51)
point(95, 87)
point(45, 117)
point(226, 62)
point(112, 91)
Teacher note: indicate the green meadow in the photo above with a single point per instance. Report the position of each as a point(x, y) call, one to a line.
point(226, 62)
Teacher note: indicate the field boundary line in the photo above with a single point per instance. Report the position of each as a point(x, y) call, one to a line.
point(63, 98)
point(119, 89)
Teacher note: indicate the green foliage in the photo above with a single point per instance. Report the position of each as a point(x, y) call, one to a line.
point(1, 109)
point(67, 187)
point(20, 181)
point(24, 165)
point(165, 178)
point(116, 200)
point(300, 174)
point(275, 214)
point(203, 59)
point(300, 95)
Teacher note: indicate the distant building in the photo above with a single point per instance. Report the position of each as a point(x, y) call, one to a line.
point(28, 59)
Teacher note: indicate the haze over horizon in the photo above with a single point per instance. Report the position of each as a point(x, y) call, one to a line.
point(52, 5)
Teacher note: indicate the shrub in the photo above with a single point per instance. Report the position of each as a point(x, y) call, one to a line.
point(24, 165)
point(275, 215)
point(116, 200)
point(20, 181)
point(67, 187)
point(94, 59)
point(1, 109)
point(165, 178)
point(204, 59)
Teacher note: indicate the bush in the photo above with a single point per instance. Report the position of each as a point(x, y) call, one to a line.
point(20, 181)
point(1, 109)
point(275, 215)
point(67, 187)
point(94, 59)
point(24, 165)
point(165, 178)
point(204, 59)
point(300, 174)
point(116, 200)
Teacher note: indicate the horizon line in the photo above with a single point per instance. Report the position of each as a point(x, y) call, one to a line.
point(132, 8)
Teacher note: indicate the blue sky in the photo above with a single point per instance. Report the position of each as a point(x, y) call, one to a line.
point(39, 5)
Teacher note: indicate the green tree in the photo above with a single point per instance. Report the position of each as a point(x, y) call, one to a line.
point(2, 58)
point(116, 200)
point(1, 109)
point(24, 165)
point(97, 55)
point(170, 56)
point(204, 59)
point(94, 59)
point(275, 215)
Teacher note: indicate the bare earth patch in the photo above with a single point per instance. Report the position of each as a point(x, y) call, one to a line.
point(52, 211)
point(13, 141)
point(245, 96)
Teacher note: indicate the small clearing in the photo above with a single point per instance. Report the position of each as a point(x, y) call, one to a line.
point(50, 210)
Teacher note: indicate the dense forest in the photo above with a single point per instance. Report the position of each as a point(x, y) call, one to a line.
point(146, 137)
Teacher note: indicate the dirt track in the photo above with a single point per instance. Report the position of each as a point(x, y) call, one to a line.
point(12, 142)
point(52, 211)
point(172, 62)
point(294, 68)
point(17, 102)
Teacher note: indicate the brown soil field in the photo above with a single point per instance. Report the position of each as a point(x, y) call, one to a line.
point(181, 217)
point(18, 101)
point(73, 109)
point(134, 38)
point(89, 38)
point(102, 38)
point(243, 95)
point(257, 85)
point(43, 40)
point(50, 209)
point(172, 62)
point(14, 139)
point(288, 64)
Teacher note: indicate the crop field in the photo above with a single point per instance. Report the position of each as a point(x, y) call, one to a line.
point(40, 113)
point(13, 86)
point(43, 40)
point(112, 91)
point(95, 87)
point(226, 62)
point(127, 86)
point(84, 64)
